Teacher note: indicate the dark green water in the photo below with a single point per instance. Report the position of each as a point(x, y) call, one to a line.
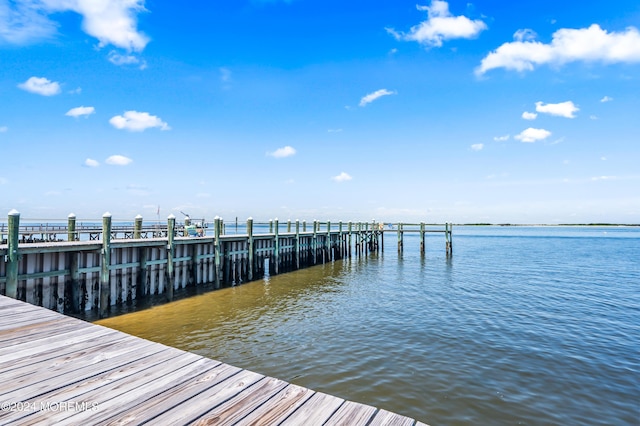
point(522, 326)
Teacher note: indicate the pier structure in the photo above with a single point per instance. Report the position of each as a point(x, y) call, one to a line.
point(76, 267)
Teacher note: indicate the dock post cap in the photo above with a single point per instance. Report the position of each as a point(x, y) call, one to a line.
point(249, 218)
point(171, 216)
point(217, 217)
point(71, 216)
point(14, 212)
point(138, 216)
point(106, 214)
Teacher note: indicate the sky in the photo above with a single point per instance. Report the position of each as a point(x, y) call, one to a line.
point(467, 112)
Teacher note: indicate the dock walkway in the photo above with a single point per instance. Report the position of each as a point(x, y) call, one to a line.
point(59, 370)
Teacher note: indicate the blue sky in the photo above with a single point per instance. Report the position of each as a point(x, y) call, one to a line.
point(491, 111)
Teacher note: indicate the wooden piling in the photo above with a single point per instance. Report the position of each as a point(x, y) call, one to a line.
point(137, 227)
point(297, 245)
point(250, 248)
point(400, 238)
point(327, 242)
point(216, 233)
point(170, 281)
point(73, 286)
point(105, 262)
point(314, 242)
point(276, 247)
point(71, 227)
point(340, 241)
point(422, 246)
point(13, 223)
point(350, 231)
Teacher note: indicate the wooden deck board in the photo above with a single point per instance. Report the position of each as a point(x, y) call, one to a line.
point(280, 406)
point(387, 418)
point(103, 385)
point(245, 402)
point(152, 401)
point(65, 371)
point(59, 354)
point(351, 414)
point(204, 401)
point(315, 411)
point(44, 378)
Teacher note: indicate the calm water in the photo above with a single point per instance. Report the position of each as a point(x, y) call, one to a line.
point(535, 325)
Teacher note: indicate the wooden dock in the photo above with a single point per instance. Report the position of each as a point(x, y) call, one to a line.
point(74, 268)
point(60, 370)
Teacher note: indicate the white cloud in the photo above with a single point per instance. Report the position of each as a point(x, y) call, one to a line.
point(529, 115)
point(41, 86)
point(477, 146)
point(334, 130)
point(4, 129)
point(532, 135)
point(112, 22)
point(80, 111)
point(342, 177)
point(90, 162)
point(606, 99)
point(501, 138)
point(525, 35)
point(591, 44)
point(118, 59)
point(286, 151)
point(135, 121)
point(440, 25)
point(118, 160)
point(596, 178)
point(23, 22)
point(563, 109)
point(375, 95)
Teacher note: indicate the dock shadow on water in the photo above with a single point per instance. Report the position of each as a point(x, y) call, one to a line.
point(534, 326)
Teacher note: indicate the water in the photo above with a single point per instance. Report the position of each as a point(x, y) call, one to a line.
point(535, 325)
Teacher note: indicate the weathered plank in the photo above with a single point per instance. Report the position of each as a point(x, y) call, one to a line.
point(352, 414)
point(99, 387)
point(315, 411)
point(212, 397)
point(167, 391)
point(279, 406)
point(387, 418)
point(241, 405)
